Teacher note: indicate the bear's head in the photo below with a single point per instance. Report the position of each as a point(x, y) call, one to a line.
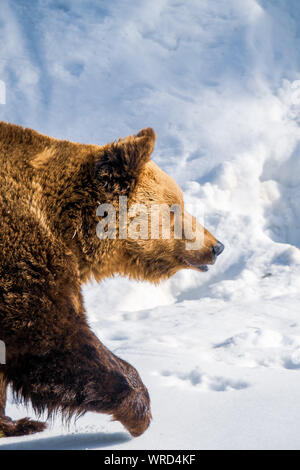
point(144, 231)
point(119, 213)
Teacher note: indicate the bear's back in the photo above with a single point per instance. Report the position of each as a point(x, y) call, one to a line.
point(23, 224)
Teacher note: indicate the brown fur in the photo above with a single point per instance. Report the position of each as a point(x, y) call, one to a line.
point(49, 192)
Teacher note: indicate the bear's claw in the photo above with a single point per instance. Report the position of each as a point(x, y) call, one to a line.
point(21, 427)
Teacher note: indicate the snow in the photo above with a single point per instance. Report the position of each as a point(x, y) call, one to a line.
point(220, 83)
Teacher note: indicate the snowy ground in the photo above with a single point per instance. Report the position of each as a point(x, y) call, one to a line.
point(220, 83)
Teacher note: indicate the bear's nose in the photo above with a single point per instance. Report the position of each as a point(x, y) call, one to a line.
point(218, 248)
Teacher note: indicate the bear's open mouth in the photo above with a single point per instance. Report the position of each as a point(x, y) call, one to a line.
point(203, 267)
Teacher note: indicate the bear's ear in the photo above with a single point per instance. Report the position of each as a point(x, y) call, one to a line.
point(119, 164)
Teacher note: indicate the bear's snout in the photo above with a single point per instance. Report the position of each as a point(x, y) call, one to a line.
point(218, 249)
point(200, 259)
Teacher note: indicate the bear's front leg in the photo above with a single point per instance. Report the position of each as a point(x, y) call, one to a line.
point(20, 427)
point(134, 410)
point(55, 361)
point(84, 376)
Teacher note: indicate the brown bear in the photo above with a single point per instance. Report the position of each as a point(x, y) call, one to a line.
point(49, 194)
